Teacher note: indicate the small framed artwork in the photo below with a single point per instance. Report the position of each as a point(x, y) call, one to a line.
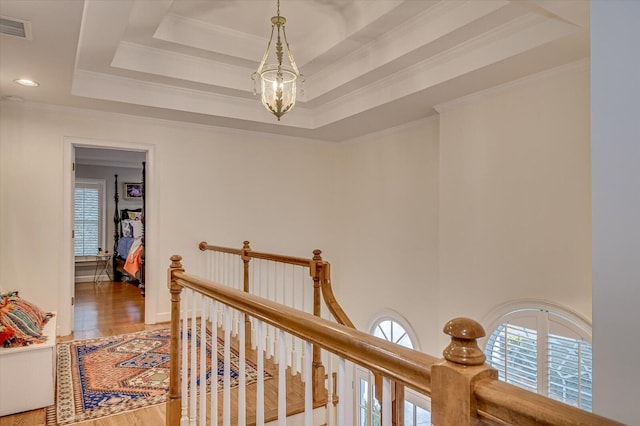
point(132, 191)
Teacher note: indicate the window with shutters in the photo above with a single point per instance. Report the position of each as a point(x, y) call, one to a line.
point(89, 214)
point(544, 350)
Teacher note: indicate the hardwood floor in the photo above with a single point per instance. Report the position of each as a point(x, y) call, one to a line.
point(113, 308)
point(108, 309)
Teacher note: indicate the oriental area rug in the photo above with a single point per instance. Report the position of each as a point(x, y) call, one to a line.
point(112, 375)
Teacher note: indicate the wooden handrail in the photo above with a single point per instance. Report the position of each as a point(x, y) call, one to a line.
point(204, 246)
point(464, 390)
point(329, 298)
point(501, 403)
point(291, 260)
point(404, 365)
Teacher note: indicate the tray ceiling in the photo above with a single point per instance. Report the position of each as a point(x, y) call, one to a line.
point(368, 64)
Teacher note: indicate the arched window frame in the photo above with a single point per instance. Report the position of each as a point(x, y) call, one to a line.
point(548, 318)
point(367, 410)
point(391, 315)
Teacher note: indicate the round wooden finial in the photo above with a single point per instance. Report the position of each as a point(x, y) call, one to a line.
point(245, 245)
point(202, 246)
point(463, 348)
point(175, 261)
point(316, 254)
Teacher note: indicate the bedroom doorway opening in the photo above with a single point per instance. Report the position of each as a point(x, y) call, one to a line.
point(109, 189)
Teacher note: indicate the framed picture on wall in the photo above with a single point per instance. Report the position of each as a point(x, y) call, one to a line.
point(132, 191)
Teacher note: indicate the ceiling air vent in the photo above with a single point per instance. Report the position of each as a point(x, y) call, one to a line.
point(15, 27)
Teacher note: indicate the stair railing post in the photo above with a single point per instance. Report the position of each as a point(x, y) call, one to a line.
point(174, 399)
point(452, 380)
point(320, 393)
point(246, 249)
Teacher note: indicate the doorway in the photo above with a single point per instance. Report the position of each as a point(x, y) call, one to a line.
point(93, 272)
point(106, 294)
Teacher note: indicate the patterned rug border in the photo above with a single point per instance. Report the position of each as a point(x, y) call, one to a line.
point(64, 378)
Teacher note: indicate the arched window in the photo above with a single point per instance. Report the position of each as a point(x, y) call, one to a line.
point(390, 326)
point(545, 349)
point(392, 331)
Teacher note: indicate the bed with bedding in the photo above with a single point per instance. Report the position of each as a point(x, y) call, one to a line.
point(128, 236)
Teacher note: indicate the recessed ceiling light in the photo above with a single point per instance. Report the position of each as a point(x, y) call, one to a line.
point(26, 82)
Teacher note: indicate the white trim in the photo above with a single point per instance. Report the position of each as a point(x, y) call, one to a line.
point(496, 316)
point(581, 64)
point(90, 278)
point(262, 134)
point(392, 130)
point(390, 314)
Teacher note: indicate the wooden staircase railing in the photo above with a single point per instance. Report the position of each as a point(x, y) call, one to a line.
point(463, 389)
point(320, 273)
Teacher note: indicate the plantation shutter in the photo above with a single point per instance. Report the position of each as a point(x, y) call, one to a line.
point(514, 354)
point(545, 353)
point(88, 217)
point(569, 362)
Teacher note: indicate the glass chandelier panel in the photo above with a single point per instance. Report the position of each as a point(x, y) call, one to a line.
point(278, 77)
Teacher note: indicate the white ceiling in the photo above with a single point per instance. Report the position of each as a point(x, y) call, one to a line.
point(369, 64)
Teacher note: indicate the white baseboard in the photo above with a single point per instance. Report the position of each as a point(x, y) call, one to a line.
point(163, 317)
point(89, 278)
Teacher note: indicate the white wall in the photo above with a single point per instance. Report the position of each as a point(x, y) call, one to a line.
point(616, 207)
point(436, 219)
point(457, 217)
point(386, 217)
point(211, 184)
point(515, 218)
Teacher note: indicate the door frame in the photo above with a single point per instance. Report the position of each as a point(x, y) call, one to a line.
point(67, 259)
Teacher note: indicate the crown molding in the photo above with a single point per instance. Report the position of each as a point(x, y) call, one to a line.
point(133, 91)
point(154, 121)
point(393, 130)
point(419, 31)
point(151, 60)
point(580, 65)
point(213, 38)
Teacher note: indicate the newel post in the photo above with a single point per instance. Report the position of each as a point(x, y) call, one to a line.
point(320, 393)
point(246, 249)
point(173, 403)
point(452, 380)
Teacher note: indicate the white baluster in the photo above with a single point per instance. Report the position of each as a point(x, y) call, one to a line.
point(242, 361)
point(184, 419)
point(270, 337)
point(254, 289)
point(342, 391)
point(214, 362)
point(308, 385)
point(194, 366)
point(282, 380)
point(295, 369)
point(260, 385)
point(203, 361)
point(386, 401)
point(226, 393)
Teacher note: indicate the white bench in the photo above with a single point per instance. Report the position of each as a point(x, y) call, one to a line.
point(27, 374)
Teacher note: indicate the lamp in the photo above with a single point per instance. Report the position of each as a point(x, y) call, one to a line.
point(278, 80)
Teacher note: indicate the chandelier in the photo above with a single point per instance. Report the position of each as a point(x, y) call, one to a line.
point(277, 79)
